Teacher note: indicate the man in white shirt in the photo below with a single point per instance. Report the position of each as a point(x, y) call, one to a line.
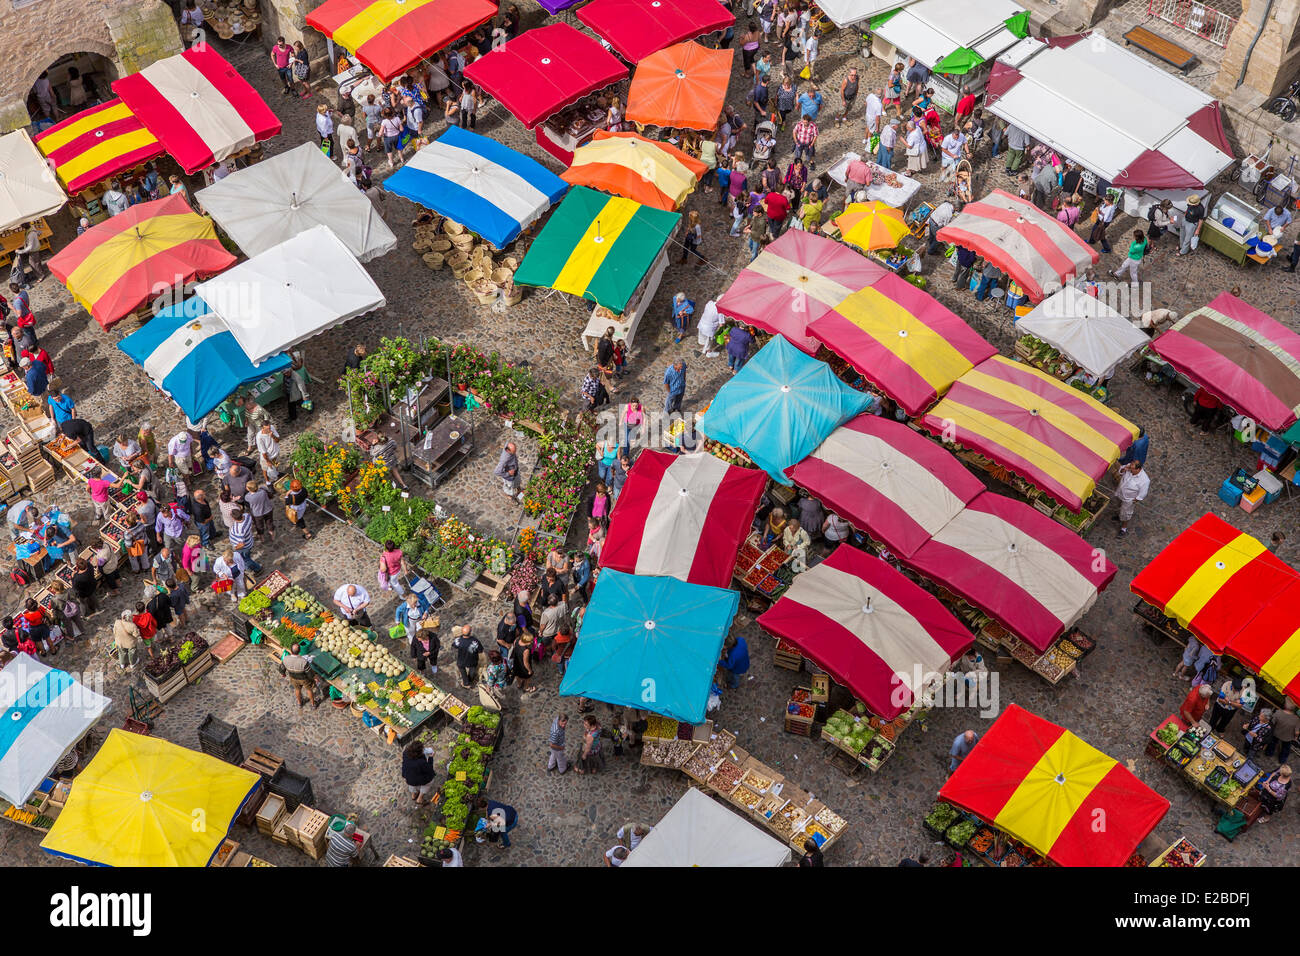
point(347, 132)
point(950, 155)
point(268, 448)
point(917, 160)
point(875, 110)
point(352, 601)
point(180, 453)
point(450, 856)
point(1152, 322)
point(1133, 487)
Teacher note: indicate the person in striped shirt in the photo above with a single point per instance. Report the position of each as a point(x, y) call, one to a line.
point(241, 538)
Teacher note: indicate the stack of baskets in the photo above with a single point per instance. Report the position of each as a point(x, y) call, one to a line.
point(432, 247)
point(449, 244)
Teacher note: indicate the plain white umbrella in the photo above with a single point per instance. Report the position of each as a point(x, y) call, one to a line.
point(264, 204)
point(698, 831)
point(28, 187)
point(291, 292)
point(1084, 329)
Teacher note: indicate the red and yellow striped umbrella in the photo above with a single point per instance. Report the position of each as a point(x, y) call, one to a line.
point(96, 144)
point(1048, 788)
point(871, 225)
point(644, 170)
point(116, 266)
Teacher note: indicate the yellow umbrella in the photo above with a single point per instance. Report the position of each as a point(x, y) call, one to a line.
point(143, 801)
point(872, 225)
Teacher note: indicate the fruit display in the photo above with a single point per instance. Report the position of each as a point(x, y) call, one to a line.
point(701, 764)
point(1049, 668)
point(941, 817)
point(296, 599)
point(805, 711)
point(746, 797)
point(818, 832)
point(771, 806)
point(1181, 853)
point(853, 734)
point(1012, 859)
point(678, 752)
point(1026, 655)
point(790, 818)
point(660, 728)
point(277, 584)
point(351, 646)
point(1069, 649)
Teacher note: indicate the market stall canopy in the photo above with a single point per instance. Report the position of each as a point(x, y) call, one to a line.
point(795, 281)
point(1030, 573)
point(1084, 329)
point(43, 713)
point(1054, 436)
point(28, 189)
point(699, 831)
point(191, 354)
point(119, 264)
point(884, 478)
point(597, 246)
point(391, 36)
point(291, 292)
point(484, 185)
point(652, 643)
point(951, 36)
point(262, 205)
point(136, 802)
point(684, 516)
point(1269, 643)
point(1245, 357)
point(543, 70)
point(1034, 248)
point(844, 13)
point(638, 28)
point(1128, 120)
point(869, 627)
point(554, 7)
point(97, 144)
point(198, 106)
point(872, 225)
point(643, 170)
point(1048, 788)
point(683, 86)
point(903, 340)
point(1213, 579)
point(780, 407)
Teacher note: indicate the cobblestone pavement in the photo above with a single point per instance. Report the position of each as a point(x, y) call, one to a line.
point(1124, 691)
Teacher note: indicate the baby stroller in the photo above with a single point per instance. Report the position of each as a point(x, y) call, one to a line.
point(762, 153)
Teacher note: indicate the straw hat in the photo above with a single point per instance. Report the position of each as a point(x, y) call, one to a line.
point(1193, 200)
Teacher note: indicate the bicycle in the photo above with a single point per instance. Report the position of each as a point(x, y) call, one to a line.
point(1285, 105)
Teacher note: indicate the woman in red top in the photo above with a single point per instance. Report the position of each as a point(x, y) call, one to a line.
point(147, 625)
point(32, 620)
point(392, 568)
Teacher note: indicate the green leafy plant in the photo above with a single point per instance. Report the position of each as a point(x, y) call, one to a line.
point(186, 652)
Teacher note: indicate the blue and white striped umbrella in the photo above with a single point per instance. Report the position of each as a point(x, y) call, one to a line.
point(191, 354)
point(488, 188)
point(43, 713)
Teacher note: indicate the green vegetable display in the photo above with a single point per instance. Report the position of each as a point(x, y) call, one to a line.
point(254, 603)
point(941, 816)
point(1168, 734)
point(959, 834)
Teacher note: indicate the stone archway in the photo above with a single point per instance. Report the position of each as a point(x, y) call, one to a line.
point(96, 71)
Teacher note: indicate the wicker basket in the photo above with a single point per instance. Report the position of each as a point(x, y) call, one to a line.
point(452, 228)
point(475, 274)
point(440, 245)
point(421, 244)
point(459, 269)
point(434, 260)
point(501, 275)
point(510, 262)
point(485, 290)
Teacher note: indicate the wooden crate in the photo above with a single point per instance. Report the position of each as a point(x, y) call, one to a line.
point(281, 833)
point(492, 585)
point(260, 761)
point(227, 647)
point(199, 665)
point(239, 860)
point(798, 725)
point(313, 833)
point(225, 853)
point(293, 824)
point(168, 687)
point(401, 861)
point(270, 814)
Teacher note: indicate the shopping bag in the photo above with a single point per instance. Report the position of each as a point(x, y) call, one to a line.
point(805, 73)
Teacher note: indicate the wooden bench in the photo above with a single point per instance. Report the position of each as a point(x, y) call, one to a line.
point(1180, 58)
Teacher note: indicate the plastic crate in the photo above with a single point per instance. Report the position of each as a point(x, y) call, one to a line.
point(1252, 500)
point(1270, 483)
point(293, 787)
point(1229, 493)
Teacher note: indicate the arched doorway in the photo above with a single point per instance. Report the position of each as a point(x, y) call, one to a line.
point(72, 83)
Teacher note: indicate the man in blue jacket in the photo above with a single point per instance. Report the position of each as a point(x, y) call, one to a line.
point(488, 807)
point(734, 660)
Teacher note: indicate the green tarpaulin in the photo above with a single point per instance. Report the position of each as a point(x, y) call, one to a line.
point(1018, 24)
point(880, 19)
point(960, 61)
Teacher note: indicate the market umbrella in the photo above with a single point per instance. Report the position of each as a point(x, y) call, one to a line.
point(43, 713)
point(191, 354)
point(888, 480)
point(700, 831)
point(1054, 436)
point(875, 632)
point(1212, 579)
point(119, 264)
point(872, 225)
point(1269, 643)
point(198, 106)
point(651, 643)
point(1048, 788)
point(638, 28)
point(262, 205)
point(643, 170)
point(795, 281)
point(1033, 247)
point(486, 186)
point(1084, 329)
point(391, 36)
point(545, 69)
point(780, 407)
point(96, 144)
point(597, 246)
point(28, 190)
point(1244, 356)
point(1030, 573)
point(683, 86)
point(682, 515)
point(903, 340)
point(143, 801)
point(291, 292)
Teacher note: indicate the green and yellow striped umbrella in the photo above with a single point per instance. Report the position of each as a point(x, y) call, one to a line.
point(597, 246)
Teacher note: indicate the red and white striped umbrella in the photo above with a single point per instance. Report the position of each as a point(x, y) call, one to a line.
point(682, 516)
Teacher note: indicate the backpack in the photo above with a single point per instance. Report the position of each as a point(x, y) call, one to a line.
point(1209, 674)
point(20, 577)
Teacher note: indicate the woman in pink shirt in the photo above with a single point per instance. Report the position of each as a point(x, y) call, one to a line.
point(633, 417)
point(190, 555)
point(392, 569)
point(600, 504)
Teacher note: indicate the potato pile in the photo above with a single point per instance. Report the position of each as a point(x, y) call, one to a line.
point(354, 649)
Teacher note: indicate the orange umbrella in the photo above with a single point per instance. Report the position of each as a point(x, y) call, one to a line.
point(625, 164)
point(871, 225)
point(684, 85)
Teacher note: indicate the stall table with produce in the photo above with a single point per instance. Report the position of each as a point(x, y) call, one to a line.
point(867, 739)
point(712, 759)
point(764, 573)
point(1207, 760)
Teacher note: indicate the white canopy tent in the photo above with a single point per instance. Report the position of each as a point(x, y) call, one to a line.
point(843, 13)
point(28, 186)
point(931, 29)
point(699, 831)
point(274, 200)
point(1126, 120)
point(1085, 329)
point(291, 292)
point(43, 713)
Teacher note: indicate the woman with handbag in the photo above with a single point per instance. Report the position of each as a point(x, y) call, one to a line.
point(228, 575)
point(392, 569)
point(193, 562)
point(295, 508)
point(135, 541)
